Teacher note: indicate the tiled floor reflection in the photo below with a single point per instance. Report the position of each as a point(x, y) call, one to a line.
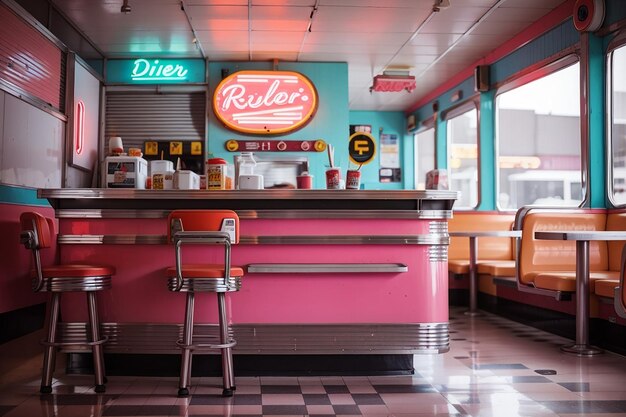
point(495, 368)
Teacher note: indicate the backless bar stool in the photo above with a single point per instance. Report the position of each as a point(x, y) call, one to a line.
point(216, 227)
point(37, 233)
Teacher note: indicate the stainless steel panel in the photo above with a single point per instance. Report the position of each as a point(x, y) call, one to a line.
point(265, 214)
point(385, 338)
point(326, 268)
point(264, 240)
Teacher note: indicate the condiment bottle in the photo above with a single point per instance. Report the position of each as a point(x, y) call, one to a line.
point(216, 174)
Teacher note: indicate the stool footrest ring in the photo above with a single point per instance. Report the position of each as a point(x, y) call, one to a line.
point(230, 344)
point(83, 343)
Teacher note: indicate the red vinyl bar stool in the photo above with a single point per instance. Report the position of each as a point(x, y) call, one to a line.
point(37, 233)
point(212, 227)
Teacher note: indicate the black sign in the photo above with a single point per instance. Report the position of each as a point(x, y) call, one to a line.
point(361, 148)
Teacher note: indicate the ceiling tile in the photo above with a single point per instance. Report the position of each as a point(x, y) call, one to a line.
point(368, 19)
point(517, 14)
point(218, 17)
point(442, 40)
point(540, 4)
point(280, 18)
point(307, 3)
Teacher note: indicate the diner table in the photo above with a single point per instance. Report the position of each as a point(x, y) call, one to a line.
point(582, 238)
point(473, 258)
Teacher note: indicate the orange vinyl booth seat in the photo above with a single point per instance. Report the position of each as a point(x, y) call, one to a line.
point(496, 255)
point(209, 228)
point(37, 234)
point(549, 266)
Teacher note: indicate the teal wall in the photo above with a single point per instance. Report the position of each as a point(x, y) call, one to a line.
point(387, 122)
point(13, 194)
point(330, 122)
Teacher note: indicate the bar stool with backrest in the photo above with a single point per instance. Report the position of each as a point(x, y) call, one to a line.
point(37, 233)
point(209, 227)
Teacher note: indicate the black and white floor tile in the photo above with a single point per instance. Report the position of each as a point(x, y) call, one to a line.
point(495, 367)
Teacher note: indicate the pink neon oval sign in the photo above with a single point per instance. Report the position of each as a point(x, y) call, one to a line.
point(265, 102)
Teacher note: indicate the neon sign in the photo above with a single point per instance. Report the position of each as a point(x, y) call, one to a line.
point(153, 71)
point(265, 102)
point(79, 128)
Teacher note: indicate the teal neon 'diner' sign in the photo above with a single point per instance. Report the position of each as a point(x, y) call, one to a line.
point(155, 71)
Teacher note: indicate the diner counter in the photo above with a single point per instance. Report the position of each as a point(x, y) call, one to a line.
point(415, 201)
point(308, 287)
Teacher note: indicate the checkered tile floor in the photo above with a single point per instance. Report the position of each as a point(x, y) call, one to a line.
point(495, 368)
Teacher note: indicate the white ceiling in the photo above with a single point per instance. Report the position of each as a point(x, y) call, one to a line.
point(370, 35)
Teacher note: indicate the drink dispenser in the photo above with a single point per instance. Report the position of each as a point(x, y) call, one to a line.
point(247, 179)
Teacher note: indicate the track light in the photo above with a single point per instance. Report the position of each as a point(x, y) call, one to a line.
point(125, 7)
point(440, 5)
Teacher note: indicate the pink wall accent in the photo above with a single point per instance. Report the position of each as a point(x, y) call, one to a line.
point(36, 62)
point(15, 284)
point(140, 292)
point(533, 31)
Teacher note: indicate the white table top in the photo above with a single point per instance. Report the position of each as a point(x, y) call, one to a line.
point(582, 235)
point(488, 233)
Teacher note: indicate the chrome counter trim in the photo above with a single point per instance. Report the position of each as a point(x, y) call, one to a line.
point(110, 214)
point(112, 239)
point(262, 214)
point(384, 338)
point(326, 268)
point(438, 253)
point(131, 193)
point(264, 240)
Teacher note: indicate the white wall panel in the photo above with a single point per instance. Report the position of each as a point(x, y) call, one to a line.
point(32, 146)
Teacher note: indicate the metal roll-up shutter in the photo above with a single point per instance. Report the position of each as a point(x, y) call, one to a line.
point(140, 116)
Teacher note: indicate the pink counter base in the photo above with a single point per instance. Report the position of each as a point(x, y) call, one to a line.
point(140, 293)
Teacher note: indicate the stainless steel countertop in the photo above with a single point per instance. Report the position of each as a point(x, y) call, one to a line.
point(275, 194)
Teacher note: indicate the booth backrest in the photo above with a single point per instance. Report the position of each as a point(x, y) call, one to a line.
point(615, 221)
point(492, 248)
point(557, 255)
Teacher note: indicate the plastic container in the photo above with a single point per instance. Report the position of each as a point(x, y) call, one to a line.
point(304, 181)
point(353, 179)
point(160, 166)
point(247, 164)
point(124, 172)
point(333, 179)
point(216, 173)
point(163, 180)
point(186, 180)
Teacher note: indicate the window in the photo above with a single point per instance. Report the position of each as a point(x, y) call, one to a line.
point(463, 155)
point(538, 141)
point(617, 114)
point(424, 156)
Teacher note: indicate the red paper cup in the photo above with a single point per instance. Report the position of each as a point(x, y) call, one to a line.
point(353, 180)
point(305, 182)
point(333, 179)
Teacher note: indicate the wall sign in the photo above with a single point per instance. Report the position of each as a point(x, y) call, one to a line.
point(361, 148)
point(265, 102)
point(155, 71)
point(275, 145)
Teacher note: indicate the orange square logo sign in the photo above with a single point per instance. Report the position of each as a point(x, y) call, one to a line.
point(196, 148)
point(176, 148)
point(151, 148)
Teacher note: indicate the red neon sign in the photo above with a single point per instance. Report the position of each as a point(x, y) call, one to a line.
point(79, 128)
point(265, 102)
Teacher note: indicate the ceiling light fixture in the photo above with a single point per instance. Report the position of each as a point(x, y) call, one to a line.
point(440, 5)
point(393, 81)
point(125, 7)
